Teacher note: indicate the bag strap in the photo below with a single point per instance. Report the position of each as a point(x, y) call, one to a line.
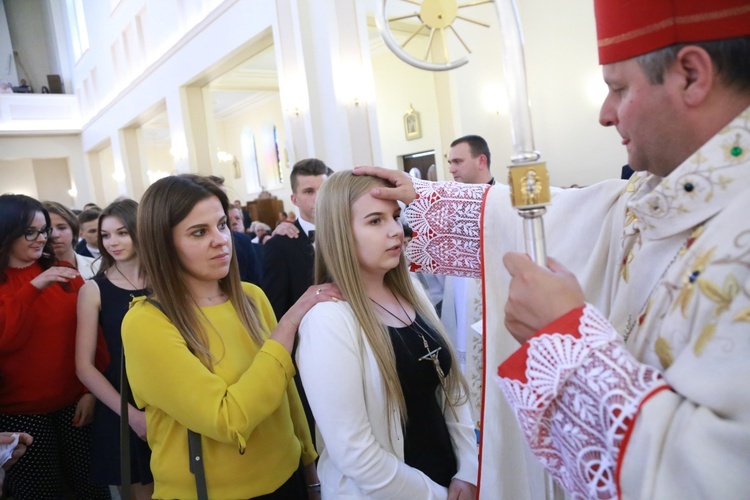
point(124, 429)
point(195, 447)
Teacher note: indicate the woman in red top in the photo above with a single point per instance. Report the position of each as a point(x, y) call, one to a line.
point(39, 391)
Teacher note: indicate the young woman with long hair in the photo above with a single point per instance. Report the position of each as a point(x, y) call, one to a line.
point(39, 391)
point(102, 303)
point(199, 355)
point(64, 237)
point(382, 379)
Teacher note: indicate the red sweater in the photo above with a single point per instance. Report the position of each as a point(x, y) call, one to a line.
point(37, 344)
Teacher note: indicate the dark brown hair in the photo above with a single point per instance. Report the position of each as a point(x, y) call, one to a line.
point(164, 205)
point(18, 212)
point(127, 213)
point(309, 166)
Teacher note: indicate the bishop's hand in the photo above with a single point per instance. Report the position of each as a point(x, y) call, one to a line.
point(538, 295)
point(403, 190)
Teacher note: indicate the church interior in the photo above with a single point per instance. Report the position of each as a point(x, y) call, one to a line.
point(111, 95)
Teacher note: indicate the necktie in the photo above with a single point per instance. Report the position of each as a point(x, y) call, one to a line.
point(311, 235)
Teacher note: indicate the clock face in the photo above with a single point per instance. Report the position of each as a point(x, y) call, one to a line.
point(428, 30)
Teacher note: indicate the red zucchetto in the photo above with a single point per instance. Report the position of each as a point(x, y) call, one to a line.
point(629, 28)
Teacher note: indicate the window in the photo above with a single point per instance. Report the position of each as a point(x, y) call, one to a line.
point(78, 31)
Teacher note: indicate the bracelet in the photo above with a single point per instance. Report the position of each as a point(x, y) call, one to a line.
point(314, 487)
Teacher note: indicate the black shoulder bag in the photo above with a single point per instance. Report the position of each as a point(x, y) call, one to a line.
point(195, 447)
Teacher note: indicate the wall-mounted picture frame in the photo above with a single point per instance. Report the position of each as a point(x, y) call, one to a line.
point(412, 125)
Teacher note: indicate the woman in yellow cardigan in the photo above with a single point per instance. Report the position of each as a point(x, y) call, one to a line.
point(199, 355)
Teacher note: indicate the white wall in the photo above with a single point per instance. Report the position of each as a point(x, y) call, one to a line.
point(43, 179)
point(563, 78)
point(561, 63)
point(17, 177)
point(566, 91)
point(7, 63)
point(107, 169)
point(398, 85)
point(27, 19)
point(67, 147)
point(157, 159)
point(53, 180)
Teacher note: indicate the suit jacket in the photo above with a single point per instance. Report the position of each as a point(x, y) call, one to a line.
point(287, 269)
point(249, 258)
point(81, 249)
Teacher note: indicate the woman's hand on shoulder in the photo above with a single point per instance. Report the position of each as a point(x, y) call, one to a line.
point(461, 490)
point(289, 323)
point(314, 295)
point(55, 274)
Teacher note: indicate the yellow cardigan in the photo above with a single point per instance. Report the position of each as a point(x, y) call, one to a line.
point(249, 401)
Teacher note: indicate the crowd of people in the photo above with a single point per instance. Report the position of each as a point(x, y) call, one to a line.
point(209, 353)
point(311, 364)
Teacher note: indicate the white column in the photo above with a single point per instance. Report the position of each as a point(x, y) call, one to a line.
point(326, 82)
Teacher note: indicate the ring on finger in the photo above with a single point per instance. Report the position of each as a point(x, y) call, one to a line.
point(318, 291)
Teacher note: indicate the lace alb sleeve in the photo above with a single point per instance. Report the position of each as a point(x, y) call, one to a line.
point(446, 218)
point(576, 391)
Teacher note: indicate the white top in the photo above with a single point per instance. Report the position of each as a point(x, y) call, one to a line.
point(87, 266)
point(358, 459)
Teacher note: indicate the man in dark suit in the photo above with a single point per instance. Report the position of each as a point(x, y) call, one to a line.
point(249, 258)
point(288, 261)
point(246, 219)
point(88, 221)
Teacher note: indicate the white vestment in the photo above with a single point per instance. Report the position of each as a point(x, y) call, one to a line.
point(666, 262)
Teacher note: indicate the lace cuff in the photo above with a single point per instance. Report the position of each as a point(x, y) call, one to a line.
point(445, 219)
point(576, 391)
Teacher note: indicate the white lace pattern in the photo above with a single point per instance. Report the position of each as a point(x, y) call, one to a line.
point(440, 248)
point(579, 397)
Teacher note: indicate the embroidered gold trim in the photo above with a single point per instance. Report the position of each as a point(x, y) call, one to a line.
point(695, 18)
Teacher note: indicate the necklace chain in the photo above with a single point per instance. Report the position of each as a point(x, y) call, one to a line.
point(389, 312)
point(432, 354)
point(126, 278)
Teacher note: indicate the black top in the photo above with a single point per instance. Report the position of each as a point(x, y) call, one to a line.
point(105, 429)
point(427, 443)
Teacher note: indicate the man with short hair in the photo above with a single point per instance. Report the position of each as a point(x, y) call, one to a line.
point(289, 258)
point(469, 160)
point(88, 220)
point(630, 380)
point(246, 219)
point(289, 261)
point(235, 220)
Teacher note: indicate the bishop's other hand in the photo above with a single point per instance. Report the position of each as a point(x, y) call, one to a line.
point(538, 295)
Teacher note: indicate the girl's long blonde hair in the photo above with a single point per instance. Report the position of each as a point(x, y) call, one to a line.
point(164, 205)
point(336, 262)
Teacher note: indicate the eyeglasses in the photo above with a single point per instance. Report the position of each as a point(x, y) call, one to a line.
point(32, 234)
